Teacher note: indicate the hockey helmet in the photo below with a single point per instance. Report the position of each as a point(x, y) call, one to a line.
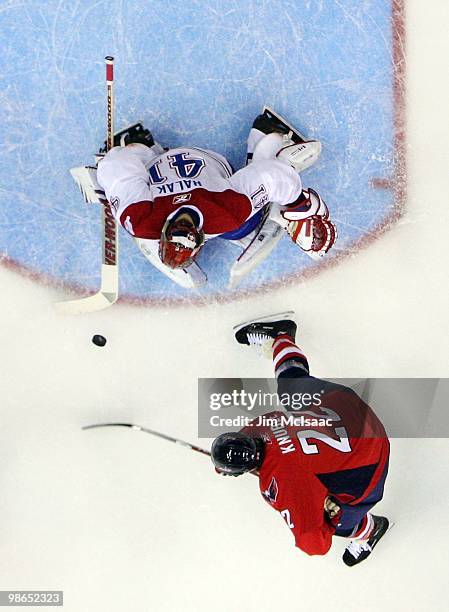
point(234, 453)
point(182, 237)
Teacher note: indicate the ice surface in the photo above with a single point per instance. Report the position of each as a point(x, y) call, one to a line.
point(122, 521)
point(197, 75)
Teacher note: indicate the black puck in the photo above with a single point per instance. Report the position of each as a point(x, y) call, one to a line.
point(99, 340)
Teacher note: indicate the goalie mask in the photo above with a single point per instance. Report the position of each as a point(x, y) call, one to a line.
point(182, 237)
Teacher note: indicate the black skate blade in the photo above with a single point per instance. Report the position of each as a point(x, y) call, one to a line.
point(280, 316)
point(129, 129)
point(389, 526)
point(138, 126)
point(295, 135)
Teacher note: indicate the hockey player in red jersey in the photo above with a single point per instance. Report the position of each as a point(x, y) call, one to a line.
point(173, 201)
point(323, 466)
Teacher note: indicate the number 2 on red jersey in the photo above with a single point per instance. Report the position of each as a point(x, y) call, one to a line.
point(339, 443)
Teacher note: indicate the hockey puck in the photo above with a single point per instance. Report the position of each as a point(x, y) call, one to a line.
point(99, 340)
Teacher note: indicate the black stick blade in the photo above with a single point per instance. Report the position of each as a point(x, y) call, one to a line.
point(108, 425)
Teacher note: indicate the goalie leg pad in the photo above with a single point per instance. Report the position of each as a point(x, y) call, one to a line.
point(298, 155)
point(256, 247)
point(269, 146)
point(301, 155)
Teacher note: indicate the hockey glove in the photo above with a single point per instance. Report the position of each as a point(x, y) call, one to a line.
point(332, 511)
point(314, 235)
point(307, 205)
point(330, 507)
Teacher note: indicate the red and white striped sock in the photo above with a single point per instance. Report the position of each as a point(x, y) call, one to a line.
point(364, 529)
point(284, 349)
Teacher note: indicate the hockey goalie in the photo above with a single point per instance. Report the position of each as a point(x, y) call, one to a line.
point(171, 201)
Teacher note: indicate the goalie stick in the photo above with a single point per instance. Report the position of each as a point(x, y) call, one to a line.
point(108, 293)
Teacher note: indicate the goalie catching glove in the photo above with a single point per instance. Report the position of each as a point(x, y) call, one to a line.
point(308, 224)
point(314, 235)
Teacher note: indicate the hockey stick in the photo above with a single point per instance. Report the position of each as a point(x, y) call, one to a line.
point(193, 447)
point(108, 293)
point(198, 449)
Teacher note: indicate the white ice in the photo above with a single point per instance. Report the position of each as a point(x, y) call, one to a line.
point(121, 521)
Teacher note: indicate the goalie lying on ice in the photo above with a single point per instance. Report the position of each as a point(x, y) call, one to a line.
point(173, 201)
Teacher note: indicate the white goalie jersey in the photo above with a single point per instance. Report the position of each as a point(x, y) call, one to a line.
point(146, 185)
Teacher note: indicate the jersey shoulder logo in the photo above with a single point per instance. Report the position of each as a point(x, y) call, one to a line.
point(271, 493)
point(182, 198)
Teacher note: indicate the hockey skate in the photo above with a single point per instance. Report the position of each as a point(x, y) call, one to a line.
point(359, 550)
point(133, 134)
point(260, 331)
point(86, 176)
point(269, 121)
point(272, 137)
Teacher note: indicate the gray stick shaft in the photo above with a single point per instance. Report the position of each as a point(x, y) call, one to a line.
point(158, 434)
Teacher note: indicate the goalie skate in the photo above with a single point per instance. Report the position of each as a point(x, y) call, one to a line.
point(86, 176)
point(134, 133)
point(282, 141)
point(270, 121)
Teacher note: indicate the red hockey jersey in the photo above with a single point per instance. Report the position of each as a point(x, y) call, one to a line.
point(307, 460)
